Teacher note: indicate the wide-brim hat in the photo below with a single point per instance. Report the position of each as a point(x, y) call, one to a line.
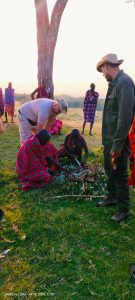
point(109, 59)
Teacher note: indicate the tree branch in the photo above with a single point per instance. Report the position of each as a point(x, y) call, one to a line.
point(42, 18)
point(129, 1)
point(55, 21)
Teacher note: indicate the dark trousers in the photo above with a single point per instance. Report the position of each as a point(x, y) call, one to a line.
point(117, 180)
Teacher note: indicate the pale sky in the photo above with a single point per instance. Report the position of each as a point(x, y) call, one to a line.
point(89, 30)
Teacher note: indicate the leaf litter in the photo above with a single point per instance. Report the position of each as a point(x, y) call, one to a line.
point(4, 253)
point(88, 173)
point(89, 181)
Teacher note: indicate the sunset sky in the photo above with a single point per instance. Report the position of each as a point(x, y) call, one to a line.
point(89, 30)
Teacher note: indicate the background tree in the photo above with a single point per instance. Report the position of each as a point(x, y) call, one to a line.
point(130, 1)
point(47, 33)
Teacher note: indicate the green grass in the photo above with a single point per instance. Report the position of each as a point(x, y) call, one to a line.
point(72, 249)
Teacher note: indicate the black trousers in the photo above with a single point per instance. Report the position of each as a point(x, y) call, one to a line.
point(117, 180)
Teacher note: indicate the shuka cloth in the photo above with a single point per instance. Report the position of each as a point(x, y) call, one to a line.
point(89, 106)
point(1, 103)
point(9, 108)
point(9, 101)
point(31, 164)
point(56, 127)
point(132, 146)
point(42, 92)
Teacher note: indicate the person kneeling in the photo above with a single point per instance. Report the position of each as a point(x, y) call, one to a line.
point(74, 145)
point(36, 161)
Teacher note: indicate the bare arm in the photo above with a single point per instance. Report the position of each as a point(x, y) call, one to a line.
point(57, 164)
point(50, 122)
point(67, 149)
point(33, 94)
point(1, 126)
point(45, 125)
point(39, 127)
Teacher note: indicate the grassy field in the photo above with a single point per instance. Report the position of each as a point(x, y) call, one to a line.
point(62, 249)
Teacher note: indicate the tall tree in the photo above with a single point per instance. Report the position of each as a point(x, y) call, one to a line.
point(47, 33)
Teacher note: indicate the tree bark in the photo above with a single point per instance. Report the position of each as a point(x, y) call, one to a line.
point(46, 39)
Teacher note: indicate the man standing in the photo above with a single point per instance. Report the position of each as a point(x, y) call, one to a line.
point(117, 118)
point(1, 103)
point(38, 114)
point(41, 91)
point(9, 102)
point(89, 107)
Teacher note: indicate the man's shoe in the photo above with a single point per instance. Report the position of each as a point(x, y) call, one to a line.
point(107, 202)
point(119, 216)
point(1, 214)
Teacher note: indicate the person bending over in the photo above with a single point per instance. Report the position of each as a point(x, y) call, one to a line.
point(38, 114)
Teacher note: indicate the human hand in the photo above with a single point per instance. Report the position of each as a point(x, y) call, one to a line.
point(51, 172)
point(131, 163)
point(114, 163)
point(114, 156)
point(34, 130)
point(83, 164)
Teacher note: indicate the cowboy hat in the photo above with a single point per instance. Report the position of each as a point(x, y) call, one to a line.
point(109, 59)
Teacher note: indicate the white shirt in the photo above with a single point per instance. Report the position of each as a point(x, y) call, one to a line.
point(38, 110)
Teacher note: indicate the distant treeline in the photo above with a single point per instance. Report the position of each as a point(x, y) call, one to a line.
point(72, 101)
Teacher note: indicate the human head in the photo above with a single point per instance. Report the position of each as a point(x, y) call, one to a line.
point(110, 71)
point(92, 86)
point(10, 85)
point(43, 83)
point(75, 133)
point(109, 66)
point(43, 136)
point(60, 106)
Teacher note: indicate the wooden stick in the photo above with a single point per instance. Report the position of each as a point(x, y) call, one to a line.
point(76, 196)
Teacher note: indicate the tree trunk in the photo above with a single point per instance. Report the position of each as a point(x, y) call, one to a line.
point(47, 38)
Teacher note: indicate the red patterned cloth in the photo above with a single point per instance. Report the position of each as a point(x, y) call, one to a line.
point(9, 108)
point(132, 146)
point(42, 92)
point(89, 106)
point(31, 164)
point(9, 101)
point(1, 103)
point(56, 127)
